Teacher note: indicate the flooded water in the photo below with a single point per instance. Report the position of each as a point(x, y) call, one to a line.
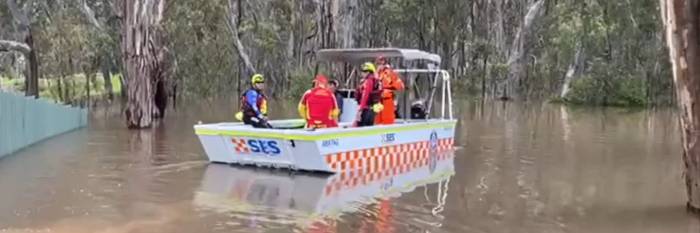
point(535, 168)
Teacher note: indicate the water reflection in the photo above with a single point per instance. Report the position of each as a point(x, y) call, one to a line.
point(317, 202)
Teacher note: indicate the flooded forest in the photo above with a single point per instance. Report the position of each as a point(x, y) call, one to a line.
point(569, 116)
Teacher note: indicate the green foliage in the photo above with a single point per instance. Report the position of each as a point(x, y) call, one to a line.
point(613, 92)
point(200, 40)
point(623, 51)
point(300, 82)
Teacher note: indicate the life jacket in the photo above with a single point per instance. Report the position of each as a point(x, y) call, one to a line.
point(320, 106)
point(374, 96)
point(261, 104)
point(390, 82)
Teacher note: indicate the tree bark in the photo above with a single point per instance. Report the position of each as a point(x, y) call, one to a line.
point(346, 23)
point(21, 16)
point(519, 52)
point(681, 21)
point(234, 6)
point(105, 67)
point(571, 73)
point(141, 47)
point(90, 15)
point(33, 67)
point(9, 46)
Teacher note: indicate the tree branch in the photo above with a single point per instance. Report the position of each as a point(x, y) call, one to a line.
point(90, 14)
point(20, 15)
point(233, 26)
point(7, 46)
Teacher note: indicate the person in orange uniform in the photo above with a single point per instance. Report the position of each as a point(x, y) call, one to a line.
point(390, 84)
point(318, 106)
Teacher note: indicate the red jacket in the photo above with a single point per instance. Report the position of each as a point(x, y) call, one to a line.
point(319, 107)
point(368, 92)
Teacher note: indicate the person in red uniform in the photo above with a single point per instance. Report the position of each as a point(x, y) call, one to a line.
point(390, 84)
point(318, 106)
point(367, 96)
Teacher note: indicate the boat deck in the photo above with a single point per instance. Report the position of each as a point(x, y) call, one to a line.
point(293, 129)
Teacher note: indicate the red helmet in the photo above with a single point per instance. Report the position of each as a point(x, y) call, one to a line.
point(321, 81)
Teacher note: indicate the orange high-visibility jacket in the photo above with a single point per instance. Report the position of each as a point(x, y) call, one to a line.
point(390, 83)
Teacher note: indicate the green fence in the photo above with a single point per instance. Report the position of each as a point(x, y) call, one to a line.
point(25, 121)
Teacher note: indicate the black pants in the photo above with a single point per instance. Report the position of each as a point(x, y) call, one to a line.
point(366, 118)
point(255, 122)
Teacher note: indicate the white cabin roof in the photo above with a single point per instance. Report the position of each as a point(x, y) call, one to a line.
point(363, 54)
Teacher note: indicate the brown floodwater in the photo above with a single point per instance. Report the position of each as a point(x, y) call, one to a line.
point(518, 168)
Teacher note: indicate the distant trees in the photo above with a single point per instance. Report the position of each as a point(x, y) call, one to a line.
point(581, 51)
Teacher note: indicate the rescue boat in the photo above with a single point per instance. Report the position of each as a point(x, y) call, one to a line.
point(425, 126)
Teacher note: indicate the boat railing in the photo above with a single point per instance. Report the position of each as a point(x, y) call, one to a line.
point(439, 75)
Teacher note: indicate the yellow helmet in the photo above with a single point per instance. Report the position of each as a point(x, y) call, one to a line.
point(257, 78)
point(369, 67)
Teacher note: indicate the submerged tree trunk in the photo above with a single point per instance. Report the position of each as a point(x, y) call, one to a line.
point(107, 77)
point(33, 67)
point(141, 48)
point(681, 20)
point(60, 89)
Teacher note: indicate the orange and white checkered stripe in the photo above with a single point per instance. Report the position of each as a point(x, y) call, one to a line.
point(352, 179)
point(240, 145)
point(382, 158)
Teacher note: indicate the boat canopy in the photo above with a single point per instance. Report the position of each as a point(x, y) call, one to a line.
point(435, 77)
point(362, 54)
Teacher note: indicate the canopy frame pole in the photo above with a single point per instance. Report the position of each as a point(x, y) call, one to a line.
point(446, 75)
point(406, 93)
point(432, 95)
point(442, 104)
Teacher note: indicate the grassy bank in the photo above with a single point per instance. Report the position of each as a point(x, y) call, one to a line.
point(67, 90)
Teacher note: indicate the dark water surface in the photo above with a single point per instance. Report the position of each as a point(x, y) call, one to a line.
point(536, 168)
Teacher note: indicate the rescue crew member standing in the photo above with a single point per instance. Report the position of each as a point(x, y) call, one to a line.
point(367, 96)
point(254, 104)
point(338, 96)
point(318, 106)
point(390, 83)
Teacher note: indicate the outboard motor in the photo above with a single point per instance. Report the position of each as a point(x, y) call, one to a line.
point(418, 110)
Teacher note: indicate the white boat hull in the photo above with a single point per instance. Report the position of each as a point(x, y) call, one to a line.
point(366, 149)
